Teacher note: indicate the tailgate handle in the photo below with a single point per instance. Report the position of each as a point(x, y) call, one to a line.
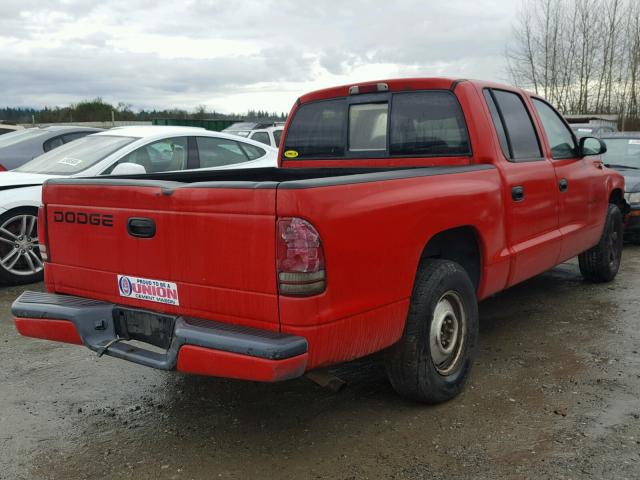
point(141, 227)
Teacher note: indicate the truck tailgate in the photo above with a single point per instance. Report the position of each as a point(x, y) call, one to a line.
point(204, 242)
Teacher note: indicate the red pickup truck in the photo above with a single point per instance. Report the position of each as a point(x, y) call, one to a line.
point(398, 206)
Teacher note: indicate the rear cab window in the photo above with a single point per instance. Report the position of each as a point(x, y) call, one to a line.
point(427, 123)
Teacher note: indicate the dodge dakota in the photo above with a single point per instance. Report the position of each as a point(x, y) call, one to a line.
point(396, 207)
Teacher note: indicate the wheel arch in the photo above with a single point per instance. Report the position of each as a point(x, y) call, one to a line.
point(616, 197)
point(462, 245)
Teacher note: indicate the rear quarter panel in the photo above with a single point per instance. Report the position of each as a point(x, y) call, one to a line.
point(373, 236)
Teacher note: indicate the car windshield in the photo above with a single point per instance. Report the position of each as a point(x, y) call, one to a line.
point(623, 152)
point(13, 138)
point(76, 156)
point(241, 126)
point(242, 133)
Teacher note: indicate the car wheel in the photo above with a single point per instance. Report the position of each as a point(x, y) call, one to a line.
point(432, 360)
point(20, 260)
point(602, 262)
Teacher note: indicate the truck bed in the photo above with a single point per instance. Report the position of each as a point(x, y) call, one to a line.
point(272, 177)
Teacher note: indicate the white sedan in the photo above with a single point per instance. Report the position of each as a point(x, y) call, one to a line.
point(119, 151)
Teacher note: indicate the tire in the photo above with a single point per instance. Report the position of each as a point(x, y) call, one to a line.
point(20, 261)
point(602, 262)
point(415, 364)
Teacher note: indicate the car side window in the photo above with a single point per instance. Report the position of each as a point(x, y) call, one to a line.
point(559, 135)
point(521, 137)
point(277, 135)
point(164, 155)
point(252, 152)
point(262, 137)
point(52, 143)
point(218, 152)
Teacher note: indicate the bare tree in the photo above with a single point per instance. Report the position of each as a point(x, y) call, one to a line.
point(582, 55)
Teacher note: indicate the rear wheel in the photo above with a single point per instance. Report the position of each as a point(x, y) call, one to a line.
point(432, 360)
point(602, 262)
point(20, 260)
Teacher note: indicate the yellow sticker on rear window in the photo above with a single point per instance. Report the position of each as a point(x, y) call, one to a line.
point(291, 154)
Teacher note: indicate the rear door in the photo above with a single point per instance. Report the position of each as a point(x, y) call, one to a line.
point(530, 190)
point(213, 243)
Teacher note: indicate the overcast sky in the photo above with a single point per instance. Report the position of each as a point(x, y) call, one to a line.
point(233, 55)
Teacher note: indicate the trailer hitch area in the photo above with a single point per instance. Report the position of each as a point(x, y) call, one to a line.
point(102, 350)
point(326, 379)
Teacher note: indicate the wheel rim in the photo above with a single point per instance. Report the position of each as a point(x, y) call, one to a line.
point(615, 249)
point(447, 334)
point(19, 251)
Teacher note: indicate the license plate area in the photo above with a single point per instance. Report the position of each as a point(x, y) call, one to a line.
point(153, 328)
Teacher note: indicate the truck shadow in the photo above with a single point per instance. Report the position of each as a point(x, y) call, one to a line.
point(517, 329)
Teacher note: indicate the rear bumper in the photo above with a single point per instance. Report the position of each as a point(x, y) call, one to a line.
point(197, 346)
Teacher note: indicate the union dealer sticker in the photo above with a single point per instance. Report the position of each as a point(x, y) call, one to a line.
point(149, 290)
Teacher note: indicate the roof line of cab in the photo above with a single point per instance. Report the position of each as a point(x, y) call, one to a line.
point(398, 85)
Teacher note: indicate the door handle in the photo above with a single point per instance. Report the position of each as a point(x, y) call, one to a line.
point(563, 185)
point(517, 193)
point(141, 227)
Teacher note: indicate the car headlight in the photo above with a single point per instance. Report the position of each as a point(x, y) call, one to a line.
point(632, 197)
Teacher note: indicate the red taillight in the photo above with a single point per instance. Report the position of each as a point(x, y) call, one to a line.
point(300, 259)
point(2, 168)
point(43, 238)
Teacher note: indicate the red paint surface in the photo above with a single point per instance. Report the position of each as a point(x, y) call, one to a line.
point(216, 363)
point(218, 245)
point(47, 329)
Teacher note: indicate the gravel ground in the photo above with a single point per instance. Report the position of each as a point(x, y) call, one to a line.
point(554, 394)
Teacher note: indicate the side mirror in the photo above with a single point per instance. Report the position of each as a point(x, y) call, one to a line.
point(128, 169)
point(591, 146)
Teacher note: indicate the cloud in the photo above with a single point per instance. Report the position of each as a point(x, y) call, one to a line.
point(236, 55)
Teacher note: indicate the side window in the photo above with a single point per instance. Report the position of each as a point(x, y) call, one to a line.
point(368, 127)
point(52, 143)
point(70, 137)
point(162, 156)
point(262, 137)
point(428, 123)
point(277, 135)
point(218, 152)
point(251, 151)
point(559, 135)
point(317, 130)
point(497, 123)
point(521, 134)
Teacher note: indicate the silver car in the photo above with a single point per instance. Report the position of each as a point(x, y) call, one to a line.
point(17, 148)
